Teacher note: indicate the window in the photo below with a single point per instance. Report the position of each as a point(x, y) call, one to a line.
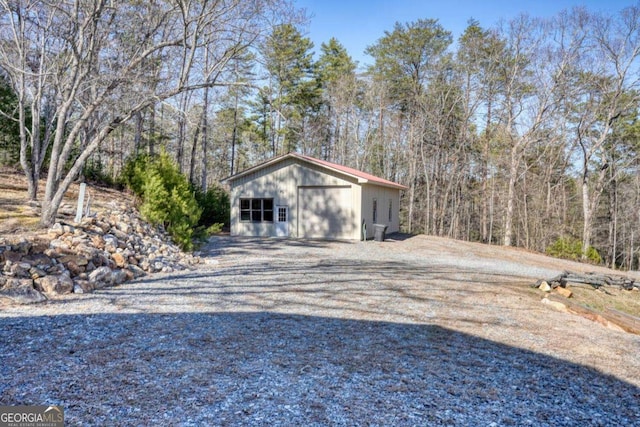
point(375, 211)
point(390, 209)
point(282, 214)
point(256, 210)
point(267, 210)
point(245, 210)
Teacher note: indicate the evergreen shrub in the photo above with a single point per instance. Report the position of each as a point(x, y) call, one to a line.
point(167, 198)
point(216, 209)
point(571, 248)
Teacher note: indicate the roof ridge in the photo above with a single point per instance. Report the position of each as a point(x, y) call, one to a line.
point(366, 177)
point(349, 170)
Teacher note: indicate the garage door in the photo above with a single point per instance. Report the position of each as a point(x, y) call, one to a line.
point(325, 212)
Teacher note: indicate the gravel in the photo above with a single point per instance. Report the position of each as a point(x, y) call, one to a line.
point(412, 331)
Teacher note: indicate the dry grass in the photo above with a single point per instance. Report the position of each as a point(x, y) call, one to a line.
point(20, 217)
point(17, 215)
point(601, 299)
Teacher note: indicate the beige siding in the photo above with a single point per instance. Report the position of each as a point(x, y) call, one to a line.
point(326, 211)
point(383, 196)
point(281, 182)
point(269, 182)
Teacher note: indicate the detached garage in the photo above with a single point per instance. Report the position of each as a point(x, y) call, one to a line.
point(300, 196)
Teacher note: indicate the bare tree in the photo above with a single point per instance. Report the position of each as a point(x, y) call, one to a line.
point(24, 59)
point(607, 89)
point(79, 64)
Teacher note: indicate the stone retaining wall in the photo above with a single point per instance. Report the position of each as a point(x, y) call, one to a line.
point(103, 250)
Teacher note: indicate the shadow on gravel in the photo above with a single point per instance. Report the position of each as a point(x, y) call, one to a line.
point(261, 368)
point(237, 245)
point(265, 274)
point(344, 288)
point(399, 237)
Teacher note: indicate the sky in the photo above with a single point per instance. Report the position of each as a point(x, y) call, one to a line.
point(357, 24)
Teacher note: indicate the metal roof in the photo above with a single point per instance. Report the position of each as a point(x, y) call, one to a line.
point(362, 177)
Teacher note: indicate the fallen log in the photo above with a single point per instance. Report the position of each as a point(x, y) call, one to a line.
point(578, 309)
point(592, 279)
point(613, 319)
point(626, 321)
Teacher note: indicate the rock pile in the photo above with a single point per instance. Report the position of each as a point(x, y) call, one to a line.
point(104, 250)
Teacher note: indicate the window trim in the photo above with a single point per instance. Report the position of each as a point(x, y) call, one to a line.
point(375, 211)
point(251, 212)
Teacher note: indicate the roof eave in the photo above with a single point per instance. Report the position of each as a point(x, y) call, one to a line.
point(254, 168)
point(359, 179)
point(390, 185)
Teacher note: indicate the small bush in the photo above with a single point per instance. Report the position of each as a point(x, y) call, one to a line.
point(571, 248)
point(214, 228)
point(565, 247)
point(593, 255)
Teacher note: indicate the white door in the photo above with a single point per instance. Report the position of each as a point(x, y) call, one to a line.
point(282, 221)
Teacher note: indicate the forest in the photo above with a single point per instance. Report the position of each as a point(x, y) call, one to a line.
point(523, 133)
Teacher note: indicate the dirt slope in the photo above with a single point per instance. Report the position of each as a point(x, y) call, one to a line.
point(20, 217)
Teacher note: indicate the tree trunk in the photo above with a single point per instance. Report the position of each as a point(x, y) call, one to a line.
point(631, 251)
point(412, 176)
point(192, 160)
point(484, 226)
point(182, 135)
point(234, 133)
point(51, 204)
point(587, 218)
point(484, 209)
point(204, 123)
point(613, 224)
point(152, 130)
point(511, 194)
point(137, 138)
point(36, 153)
point(491, 210)
point(27, 168)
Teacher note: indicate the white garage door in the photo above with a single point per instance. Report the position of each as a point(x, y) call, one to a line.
point(325, 212)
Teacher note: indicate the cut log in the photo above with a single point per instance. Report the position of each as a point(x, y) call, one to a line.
point(626, 321)
point(580, 310)
point(612, 319)
point(557, 305)
point(577, 308)
point(564, 292)
point(544, 287)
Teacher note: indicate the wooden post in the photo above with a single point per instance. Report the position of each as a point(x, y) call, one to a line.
point(83, 187)
point(87, 207)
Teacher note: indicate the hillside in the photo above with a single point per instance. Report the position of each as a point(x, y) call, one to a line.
point(110, 246)
point(19, 217)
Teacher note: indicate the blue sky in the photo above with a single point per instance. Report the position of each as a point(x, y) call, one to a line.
point(360, 23)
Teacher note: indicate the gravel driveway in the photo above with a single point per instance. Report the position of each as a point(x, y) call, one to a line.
point(412, 331)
